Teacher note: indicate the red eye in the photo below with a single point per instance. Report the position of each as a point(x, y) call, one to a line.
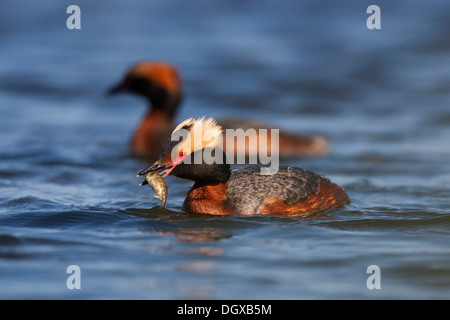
point(182, 155)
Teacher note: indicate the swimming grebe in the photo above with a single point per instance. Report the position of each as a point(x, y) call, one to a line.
point(160, 83)
point(219, 190)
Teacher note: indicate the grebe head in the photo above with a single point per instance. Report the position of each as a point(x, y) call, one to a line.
point(159, 82)
point(194, 152)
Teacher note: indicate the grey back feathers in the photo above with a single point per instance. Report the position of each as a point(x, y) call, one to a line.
point(247, 188)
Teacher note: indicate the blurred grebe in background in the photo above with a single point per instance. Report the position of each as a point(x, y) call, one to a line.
point(161, 85)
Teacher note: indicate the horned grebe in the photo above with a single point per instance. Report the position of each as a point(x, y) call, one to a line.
point(219, 190)
point(161, 85)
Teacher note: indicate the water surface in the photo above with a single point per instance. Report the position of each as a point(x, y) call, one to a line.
point(68, 191)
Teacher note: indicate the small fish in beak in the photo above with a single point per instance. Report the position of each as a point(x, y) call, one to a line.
point(156, 182)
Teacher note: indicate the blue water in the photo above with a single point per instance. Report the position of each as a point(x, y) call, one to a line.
point(68, 191)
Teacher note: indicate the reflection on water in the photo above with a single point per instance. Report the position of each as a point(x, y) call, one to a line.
point(68, 191)
point(203, 235)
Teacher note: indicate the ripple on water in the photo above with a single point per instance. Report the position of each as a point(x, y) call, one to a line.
point(6, 239)
point(8, 247)
point(27, 204)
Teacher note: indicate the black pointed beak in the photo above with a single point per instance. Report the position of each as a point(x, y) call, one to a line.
point(163, 169)
point(154, 167)
point(115, 89)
